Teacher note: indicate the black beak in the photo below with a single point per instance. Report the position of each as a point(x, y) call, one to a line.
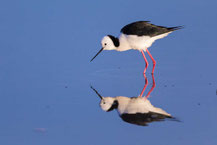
point(96, 92)
point(96, 54)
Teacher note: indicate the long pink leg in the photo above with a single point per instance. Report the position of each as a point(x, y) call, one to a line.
point(146, 62)
point(154, 62)
point(146, 83)
point(152, 88)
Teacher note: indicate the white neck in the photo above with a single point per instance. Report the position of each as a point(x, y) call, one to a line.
point(124, 45)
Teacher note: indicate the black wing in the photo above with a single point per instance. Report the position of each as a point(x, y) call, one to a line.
point(144, 118)
point(144, 28)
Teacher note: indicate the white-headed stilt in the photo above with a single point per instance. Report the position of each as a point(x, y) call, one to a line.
point(138, 35)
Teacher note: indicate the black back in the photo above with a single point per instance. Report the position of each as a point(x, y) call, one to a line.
point(143, 118)
point(144, 28)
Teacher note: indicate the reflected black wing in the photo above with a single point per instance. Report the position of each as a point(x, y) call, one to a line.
point(143, 118)
point(144, 28)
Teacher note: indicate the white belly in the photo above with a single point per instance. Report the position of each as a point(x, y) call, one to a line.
point(141, 42)
point(137, 105)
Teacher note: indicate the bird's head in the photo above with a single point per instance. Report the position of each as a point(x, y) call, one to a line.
point(108, 42)
point(107, 103)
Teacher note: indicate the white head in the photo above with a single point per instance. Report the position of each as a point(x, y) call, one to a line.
point(107, 103)
point(108, 42)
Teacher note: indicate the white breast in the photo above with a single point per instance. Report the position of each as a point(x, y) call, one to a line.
point(139, 42)
point(137, 105)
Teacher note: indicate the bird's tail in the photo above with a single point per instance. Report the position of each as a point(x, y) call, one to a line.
point(176, 28)
point(174, 119)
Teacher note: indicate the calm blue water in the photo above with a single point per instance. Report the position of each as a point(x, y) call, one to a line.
point(45, 73)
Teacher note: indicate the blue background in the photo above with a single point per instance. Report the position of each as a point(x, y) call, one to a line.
point(45, 73)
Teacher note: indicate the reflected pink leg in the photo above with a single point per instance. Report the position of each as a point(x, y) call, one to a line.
point(154, 62)
point(152, 88)
point(146, 62)
point(146, 83)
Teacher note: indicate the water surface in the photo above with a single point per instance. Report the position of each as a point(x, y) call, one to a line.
point(45, 73)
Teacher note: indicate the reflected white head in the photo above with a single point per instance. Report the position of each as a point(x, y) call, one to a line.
point(106, 103)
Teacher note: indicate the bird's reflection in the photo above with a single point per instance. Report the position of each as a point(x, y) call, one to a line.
point(135, 110)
